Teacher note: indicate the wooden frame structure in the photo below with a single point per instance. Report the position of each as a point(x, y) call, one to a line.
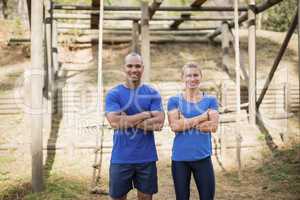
point(140, 25)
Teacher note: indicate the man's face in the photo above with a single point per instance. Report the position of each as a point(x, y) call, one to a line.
point(134, 68)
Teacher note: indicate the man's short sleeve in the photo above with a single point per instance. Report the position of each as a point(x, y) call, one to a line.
point(156, 102)
point(172, 103)
point(111, 102)
point(214, 103)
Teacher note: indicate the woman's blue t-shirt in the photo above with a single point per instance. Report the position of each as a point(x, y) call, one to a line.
point(192, 144)
point(133, 145)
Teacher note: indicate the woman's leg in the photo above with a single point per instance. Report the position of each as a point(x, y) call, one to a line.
point(182, 177)
point(203, 173)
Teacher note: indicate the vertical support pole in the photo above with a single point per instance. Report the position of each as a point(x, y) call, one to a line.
point(135, 36)
point(299, 42)
point(29, 11)
point(34, 94)
point(225, 46)
point(145, 40)
point(94, 17)
point(100, 46)
point(238, 88)
point(252, 62)
point(55, 64)
point(54, 48)
point(49, 93)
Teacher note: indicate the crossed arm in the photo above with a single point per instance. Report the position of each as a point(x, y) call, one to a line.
point(207, 122)
point(148, 121)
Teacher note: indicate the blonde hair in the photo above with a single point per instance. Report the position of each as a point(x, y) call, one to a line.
point(191, 65)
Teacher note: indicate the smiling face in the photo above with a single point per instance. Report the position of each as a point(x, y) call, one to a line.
point(133, 68)
point(191, 76)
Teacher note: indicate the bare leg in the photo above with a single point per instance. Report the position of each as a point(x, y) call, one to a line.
point(143, 196)
point(122, 198)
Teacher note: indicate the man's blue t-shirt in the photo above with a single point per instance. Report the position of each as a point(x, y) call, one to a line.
point(133, 145)
point(192, 144)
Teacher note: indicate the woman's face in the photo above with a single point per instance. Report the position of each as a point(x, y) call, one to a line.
point(192, 77)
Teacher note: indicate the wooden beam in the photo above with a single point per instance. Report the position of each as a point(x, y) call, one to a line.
point(252, 62)
point(176, 23)
point(153, 8)
point(278, 59)
point(29, 11)
point(34, 76)
point(72, 16)
point(259, 8)
point(95, 16)
point(100, 50)
point(238, 87)
point(87, 27)
point(225, 47)
point(54, 48)
point(134, 8)
point(299, 41)
point(198, 3)
point(145, 37)
point(48, 99)
point(135, 36)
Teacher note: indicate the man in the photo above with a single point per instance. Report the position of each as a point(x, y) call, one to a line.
point(134, 110)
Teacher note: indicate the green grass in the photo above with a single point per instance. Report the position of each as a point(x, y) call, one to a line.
point(56, 187)
point(282, 170)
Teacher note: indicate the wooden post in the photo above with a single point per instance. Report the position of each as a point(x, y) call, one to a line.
point(29, 11)
point(54, 48)
point(145, 40)
point(49, 93)
point(100, 46)
point(252, 63)
point(95, 17)
point(34, 76)
point(238, 87)
point(299, 41)
point(225, 46)
point(135, 36)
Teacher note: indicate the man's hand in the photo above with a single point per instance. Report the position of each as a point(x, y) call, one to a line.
point(154, 123)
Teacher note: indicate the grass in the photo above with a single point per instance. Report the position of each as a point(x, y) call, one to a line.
point(56, 187)
point(282, 170)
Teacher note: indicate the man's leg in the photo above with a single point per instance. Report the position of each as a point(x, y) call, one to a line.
point(143, 196)
point(122, 198)
point(145, 180)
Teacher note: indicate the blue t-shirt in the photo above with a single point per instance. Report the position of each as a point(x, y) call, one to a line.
point(192, 144)
point(133, 145)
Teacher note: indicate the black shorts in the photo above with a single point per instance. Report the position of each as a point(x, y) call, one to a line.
point(124, 177)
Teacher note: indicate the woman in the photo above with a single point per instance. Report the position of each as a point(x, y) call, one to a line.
point(193, 116)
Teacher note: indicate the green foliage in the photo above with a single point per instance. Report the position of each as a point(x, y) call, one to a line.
point(279, 17)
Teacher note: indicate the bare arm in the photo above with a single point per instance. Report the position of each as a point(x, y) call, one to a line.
point(120, 120)
point(178, 123)
point(155, 123)
point(212, 124)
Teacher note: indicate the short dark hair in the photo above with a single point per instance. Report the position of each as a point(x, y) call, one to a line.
point(133, 54)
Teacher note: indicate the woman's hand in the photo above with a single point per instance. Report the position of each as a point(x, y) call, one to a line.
point(211, 125)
